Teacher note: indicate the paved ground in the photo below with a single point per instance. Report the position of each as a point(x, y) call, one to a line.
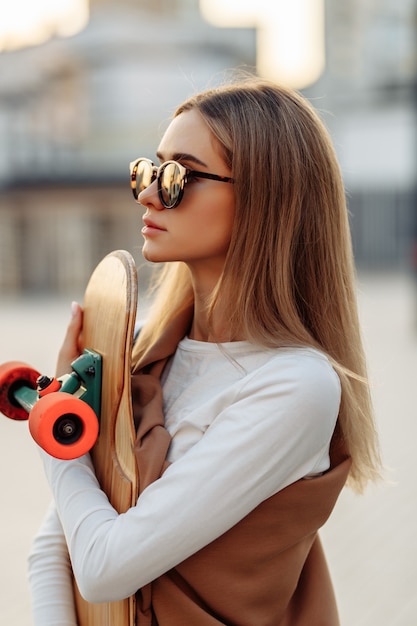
point(370, 540)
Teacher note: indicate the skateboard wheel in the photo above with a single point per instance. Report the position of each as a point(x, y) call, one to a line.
point(13, 375)
point(64, 426)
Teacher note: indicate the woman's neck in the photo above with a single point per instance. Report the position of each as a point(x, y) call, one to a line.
point(213, 328)
point(205, 327)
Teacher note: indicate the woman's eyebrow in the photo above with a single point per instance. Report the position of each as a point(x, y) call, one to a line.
point(182, 156)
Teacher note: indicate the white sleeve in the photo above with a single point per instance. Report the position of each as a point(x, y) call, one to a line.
point(273, 433)
point(50, 576)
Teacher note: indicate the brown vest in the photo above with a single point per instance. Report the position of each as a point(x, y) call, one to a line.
point(269, 569)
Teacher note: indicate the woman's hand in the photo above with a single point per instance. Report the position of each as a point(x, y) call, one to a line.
point(71, 347)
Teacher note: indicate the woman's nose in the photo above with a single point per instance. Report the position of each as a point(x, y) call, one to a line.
point(150, 197)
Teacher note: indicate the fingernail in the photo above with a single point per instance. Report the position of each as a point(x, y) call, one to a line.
point(74, 308)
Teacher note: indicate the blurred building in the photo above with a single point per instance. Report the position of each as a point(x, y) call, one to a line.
point(75, 111)
point(368, 98)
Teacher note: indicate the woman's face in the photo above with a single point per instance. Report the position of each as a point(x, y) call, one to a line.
point(198, 230)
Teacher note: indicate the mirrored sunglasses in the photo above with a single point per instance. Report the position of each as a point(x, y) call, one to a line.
point(171, 178)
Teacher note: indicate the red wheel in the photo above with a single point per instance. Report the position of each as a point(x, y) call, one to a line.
point(64, 426)
point(13, 375)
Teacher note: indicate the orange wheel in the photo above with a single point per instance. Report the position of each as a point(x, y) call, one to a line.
point(13, 375)
point(64, 426)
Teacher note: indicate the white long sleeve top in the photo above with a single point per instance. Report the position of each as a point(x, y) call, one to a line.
point(245, 422)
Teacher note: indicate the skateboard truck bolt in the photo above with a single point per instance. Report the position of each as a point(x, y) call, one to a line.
point(46, 384)
point(43, 382)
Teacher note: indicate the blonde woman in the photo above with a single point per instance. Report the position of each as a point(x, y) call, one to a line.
point(249, 384)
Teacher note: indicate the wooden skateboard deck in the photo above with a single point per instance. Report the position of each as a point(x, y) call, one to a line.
point(110, 304)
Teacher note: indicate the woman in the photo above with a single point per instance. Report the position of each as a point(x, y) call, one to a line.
point(254, 341)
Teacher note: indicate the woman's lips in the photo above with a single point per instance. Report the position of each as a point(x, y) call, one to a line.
point(151, 227)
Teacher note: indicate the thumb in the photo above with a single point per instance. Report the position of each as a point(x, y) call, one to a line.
point(70, 348)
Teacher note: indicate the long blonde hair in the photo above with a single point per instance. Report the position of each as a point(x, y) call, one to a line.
point(289, 275)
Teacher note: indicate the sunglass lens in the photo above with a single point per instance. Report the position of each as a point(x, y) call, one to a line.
point(144, 175)
point(170, 184)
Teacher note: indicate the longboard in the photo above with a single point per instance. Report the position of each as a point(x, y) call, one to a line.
point(63, 412)
point(110, 303)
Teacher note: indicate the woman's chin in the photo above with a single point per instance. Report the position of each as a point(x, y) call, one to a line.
point(153, 256)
